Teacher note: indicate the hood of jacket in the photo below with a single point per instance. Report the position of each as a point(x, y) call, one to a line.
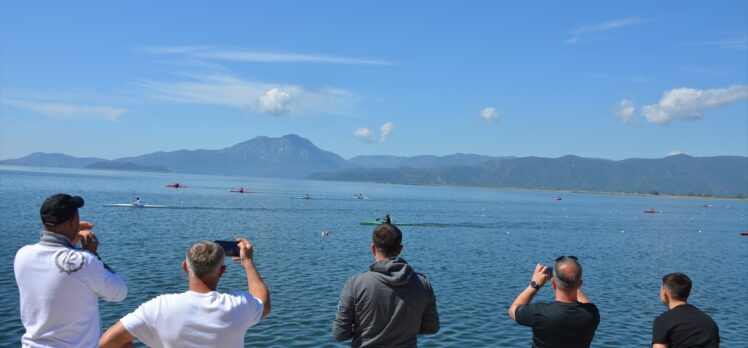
point(393, 271)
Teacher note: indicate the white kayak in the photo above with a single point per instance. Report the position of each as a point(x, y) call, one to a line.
point(130, 205)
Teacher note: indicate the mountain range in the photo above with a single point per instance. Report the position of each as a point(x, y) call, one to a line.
point(292, 156)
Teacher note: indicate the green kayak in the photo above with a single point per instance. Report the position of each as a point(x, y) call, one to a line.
point(375, 222)
point(372, 222)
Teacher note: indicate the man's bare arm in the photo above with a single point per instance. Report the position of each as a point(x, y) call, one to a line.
point(581, 297)
point(116, 337)
point(255, 284)
point(540, 277)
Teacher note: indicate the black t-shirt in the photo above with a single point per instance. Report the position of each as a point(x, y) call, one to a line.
point(560, 324)
point(685, 326)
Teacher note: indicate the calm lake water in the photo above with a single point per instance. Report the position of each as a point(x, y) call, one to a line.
point(478, 246)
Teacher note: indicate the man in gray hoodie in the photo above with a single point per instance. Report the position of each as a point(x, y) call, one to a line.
point(390, 305)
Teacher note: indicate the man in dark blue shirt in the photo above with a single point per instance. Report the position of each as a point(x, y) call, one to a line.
point(570, 320)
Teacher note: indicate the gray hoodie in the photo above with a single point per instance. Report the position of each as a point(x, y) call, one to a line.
point(388, 306)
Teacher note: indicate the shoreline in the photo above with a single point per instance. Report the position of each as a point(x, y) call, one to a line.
point(512, 188)
point(611, 193)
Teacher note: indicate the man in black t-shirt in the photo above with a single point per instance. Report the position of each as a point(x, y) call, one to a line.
point(570, 320)
point(683, 325)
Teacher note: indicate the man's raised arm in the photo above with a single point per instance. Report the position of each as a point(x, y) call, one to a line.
point(255, 284)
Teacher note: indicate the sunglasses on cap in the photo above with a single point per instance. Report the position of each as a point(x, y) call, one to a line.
point(561, 258)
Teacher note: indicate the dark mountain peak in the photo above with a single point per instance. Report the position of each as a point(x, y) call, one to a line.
point(289, 156)
point(679, 155)
point(263, 141)
point(294, 138)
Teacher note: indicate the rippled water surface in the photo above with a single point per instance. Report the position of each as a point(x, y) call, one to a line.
point(478, 246)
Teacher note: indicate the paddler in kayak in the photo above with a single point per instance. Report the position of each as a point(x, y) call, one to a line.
point(137, 202)
point(385, 219)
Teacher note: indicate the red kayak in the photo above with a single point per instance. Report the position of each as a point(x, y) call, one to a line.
point(176, 185)
point(744, 234)
point(651, 211)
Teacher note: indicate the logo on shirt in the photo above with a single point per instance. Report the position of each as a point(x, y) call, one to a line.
point(68, 261)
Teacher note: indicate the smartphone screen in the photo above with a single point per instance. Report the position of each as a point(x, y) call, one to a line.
point(549, 270)
point(230, 247)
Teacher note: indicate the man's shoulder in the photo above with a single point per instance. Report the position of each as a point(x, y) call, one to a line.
point(359, 279)
point(560, 306)
point(423, 279)
point(687, 312)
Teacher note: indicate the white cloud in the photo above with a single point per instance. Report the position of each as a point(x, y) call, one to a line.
point(55, 109)
point(369, 137)
point(275, 102)
point(386, 130)
point(626, 110)
point(365, 134)
point(735, 43)
point(274, 99)
point(596, 31)
point(689, 104)
point(244, 55)
point(489, 114)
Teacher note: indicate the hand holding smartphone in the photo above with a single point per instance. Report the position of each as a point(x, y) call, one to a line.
point(230, 247)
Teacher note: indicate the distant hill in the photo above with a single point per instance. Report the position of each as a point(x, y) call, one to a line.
point(725, 176)
point(289, 156)
point(127, 166)
point(292, 156)
point(423, 161)
point(41, 159)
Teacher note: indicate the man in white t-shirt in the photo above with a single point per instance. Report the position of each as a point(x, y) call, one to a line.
point(59, 284)
point(200, 317)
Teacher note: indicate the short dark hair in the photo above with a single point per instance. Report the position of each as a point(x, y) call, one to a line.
point(387, 238)
point(678, 285)
point(570, 277)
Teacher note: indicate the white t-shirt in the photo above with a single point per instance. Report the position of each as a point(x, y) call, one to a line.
point(59, 289)
point(193, 319)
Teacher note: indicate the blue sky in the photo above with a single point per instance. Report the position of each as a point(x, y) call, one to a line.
point(595, 79)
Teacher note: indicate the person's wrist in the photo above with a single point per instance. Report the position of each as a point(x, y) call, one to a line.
point(248, 263)
point(535, 285)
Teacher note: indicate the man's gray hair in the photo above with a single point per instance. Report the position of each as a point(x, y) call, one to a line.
point(568, 273)
point(204, 257)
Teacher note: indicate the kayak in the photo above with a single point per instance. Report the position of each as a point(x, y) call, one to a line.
point(375, 222)
point(130, 205)
point(239, 191)
point(372, 222)
point(176, 186)
point(651, 211)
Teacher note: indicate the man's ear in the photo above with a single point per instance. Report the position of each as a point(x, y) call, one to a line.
point(221, 271)
point(553, 283)
point(399, 249)
point(374, 249)
point(185, 269)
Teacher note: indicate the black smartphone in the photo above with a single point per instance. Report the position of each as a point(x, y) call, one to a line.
point(230, 247)
point(549, 270)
